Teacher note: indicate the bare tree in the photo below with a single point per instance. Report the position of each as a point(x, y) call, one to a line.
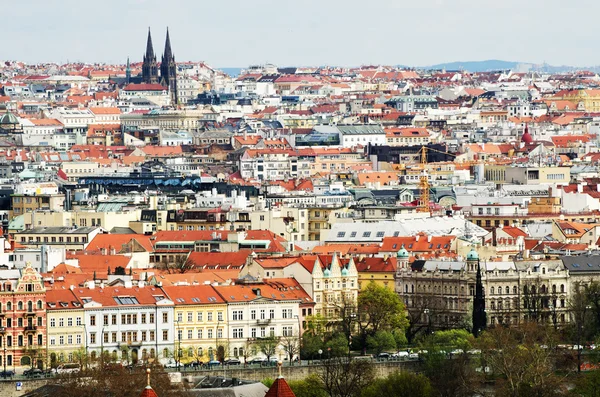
point(267, 346)
point(345, 376)
point(181, 263)
point(290, 346)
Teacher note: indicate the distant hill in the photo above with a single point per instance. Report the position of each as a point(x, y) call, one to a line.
point(233, 72)
point(475, 66)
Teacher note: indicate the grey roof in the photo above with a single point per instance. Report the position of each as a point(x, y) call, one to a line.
point(246, 390)
point(582, 263)
point(59, 230)
point(375, 232)
point(370, 129)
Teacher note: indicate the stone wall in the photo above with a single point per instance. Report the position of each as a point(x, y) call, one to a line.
point(8, 387)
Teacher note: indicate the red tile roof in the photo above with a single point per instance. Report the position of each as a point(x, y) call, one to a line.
point(120, 242)
point(193, 294)
point(280, 388)
point(144, 87)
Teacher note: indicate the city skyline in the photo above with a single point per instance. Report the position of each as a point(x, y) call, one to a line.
point(327, 33)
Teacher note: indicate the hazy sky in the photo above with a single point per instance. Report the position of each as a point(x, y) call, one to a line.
point(236, 33)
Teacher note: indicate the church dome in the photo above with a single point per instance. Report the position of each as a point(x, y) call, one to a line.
point(472, 255)
point(526, 137)
point(327, 273)
point(344, 271)
point(8, 118)
point(403, 253)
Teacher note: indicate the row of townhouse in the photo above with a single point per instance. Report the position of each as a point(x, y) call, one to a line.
point(130, 322)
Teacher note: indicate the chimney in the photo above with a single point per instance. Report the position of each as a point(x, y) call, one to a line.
point(580, 188)
point(72, 287)
point(91, 284)
point(416, 238)
point(141, 283)
point(429, 238)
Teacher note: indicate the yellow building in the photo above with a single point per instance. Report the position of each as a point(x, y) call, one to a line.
point(66, 332)
point(588, 99)
point(200, 323)
point(380, 271)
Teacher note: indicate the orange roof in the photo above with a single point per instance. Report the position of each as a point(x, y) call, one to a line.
point(195, 278)
point(100, 263)
point(564, 141)
point(219, 260)
point(344, 249)
point(61, 299)
point(105, 110)
point(162, 150)
point(406, 132)
point(276, 263)
point(193, 294)
point(377, 265)
point(383, 177)
point(119, 242)
point(46, 122)
point(514, 231)
point(279, 289)
point(419, 243)
point(146, 296)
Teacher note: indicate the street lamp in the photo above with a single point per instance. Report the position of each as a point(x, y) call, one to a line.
point(178, 358)
point(426, 312)
point(299, 339)
point(320, 353)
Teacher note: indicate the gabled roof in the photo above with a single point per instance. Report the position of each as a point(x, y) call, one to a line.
point(119, 242)
point(280, 388)
point(193, 294)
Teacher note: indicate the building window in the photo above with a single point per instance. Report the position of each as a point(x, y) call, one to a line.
point(92, 320)
point(165, 335)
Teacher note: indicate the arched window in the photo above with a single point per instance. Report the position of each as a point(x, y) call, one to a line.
point(39, 305)
point(115, 355)
point(20, 305)
point(152, 353)
point(29, 306)
point(210, 353)
point(144, 354)
point(241, 351)
point(61, 357)
point(8, 306)
point(190, 352)
point(554, 289)
point(235, 352)
point(562, 288)
point(25, 360)
point(166, 353)
point(93, 355)
point(492, 291)
point(515, 290)
point(507, 290)
point(543, 289)
point(200, 352)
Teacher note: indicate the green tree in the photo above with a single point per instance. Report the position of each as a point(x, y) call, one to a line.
point(267, 346)
point(336, 346)
point(447, 364)
point(588, 385)
point(311, 343)
point(311, 386)
point(400, 384)
point(381, 341)
point(381, 308)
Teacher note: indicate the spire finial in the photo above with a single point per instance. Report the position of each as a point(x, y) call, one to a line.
point(279, 365)
point(148, 377)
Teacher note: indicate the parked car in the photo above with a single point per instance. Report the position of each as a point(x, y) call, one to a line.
point(7, 374)
point(33, 373)
point(68, 368)
point(258, 360)
point(213, 363)
point(232, 361)
point(383, 356)
point(171, 364)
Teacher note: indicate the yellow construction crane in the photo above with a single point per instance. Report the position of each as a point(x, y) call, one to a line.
point(423, 204)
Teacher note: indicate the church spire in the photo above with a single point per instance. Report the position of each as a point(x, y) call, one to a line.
point(128, 72)
point(149, 47)
point(479, 315)
point(149, 67)
point(168, 52)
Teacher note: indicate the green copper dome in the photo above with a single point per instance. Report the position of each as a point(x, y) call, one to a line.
point(472, 255)
point(344, 271)
point(403, 253)
point(327, 273)
point(8, 118)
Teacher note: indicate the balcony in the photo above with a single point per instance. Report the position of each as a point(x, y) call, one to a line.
point(265, 321)
point(30, 328)
point(30, 314)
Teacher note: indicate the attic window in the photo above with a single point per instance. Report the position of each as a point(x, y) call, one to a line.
point(380, 234)
point(179, 300)
point(353, 234)
point(127, 300)
point(86, 300)
point(245, 296)
point(341, 234)
point(232, 297)
point(157, 298)
point(53, 305)
point(394, 246)
point(366, 234)
point(196, 300)
point(76, 304)
point(273, 295)
point(430, 246)
point(410, 245)
point(64, 304)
